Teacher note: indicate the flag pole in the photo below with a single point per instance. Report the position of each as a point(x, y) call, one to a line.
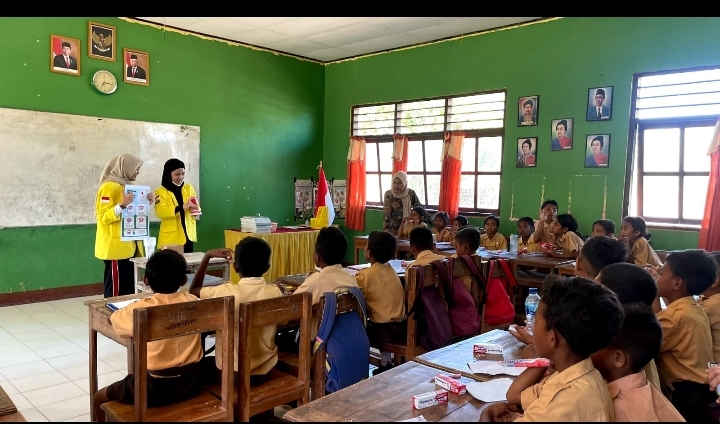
point(319, 166)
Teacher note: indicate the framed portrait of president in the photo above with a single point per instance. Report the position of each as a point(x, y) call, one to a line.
point(599, 104)
point(65, 55)
point(137, 67)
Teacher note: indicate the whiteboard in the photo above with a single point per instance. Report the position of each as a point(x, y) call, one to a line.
point(50, 163)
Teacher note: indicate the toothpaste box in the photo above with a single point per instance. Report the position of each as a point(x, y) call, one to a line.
point(426, 400)
point(481, 350)
point(450, 384)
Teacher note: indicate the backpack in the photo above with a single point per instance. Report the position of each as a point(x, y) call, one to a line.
point(347, 348)
point(462, 312)
point(433, 323)
point(498, 307)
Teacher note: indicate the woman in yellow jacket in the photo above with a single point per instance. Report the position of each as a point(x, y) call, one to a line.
point(175, 209)
point(109, 204)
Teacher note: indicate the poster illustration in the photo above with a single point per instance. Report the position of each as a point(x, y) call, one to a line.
point(135, 215)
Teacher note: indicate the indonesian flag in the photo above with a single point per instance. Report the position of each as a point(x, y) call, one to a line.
point(323, 203)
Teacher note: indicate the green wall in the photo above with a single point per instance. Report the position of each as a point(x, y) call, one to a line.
point(557, 60)
point(260, 118)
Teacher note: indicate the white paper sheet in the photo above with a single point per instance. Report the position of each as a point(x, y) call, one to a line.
point(419, 419)
point(493, 368)
point(135, 224)
point(490, 391)
point(119, 305)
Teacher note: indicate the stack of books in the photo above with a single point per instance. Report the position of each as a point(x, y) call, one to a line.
point(255, 224)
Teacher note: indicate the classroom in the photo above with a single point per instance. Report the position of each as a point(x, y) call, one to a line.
point(285, 159)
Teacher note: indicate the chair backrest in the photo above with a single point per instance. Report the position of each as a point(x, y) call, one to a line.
point(183, 319)
point(274, 311)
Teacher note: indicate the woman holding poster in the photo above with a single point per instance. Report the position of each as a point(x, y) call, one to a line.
point(177, 207)
point(109, 204)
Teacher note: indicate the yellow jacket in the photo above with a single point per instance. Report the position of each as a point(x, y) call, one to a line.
point(108, 245)
point(171, 231)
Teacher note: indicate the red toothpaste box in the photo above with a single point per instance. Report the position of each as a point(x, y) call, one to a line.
point(481, 350)
point(450, 384)
point(426, 400)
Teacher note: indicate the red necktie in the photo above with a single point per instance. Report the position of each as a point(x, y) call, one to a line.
point(67, 62)
point(133, 74)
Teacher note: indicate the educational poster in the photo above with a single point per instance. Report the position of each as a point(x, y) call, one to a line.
point(135, 216)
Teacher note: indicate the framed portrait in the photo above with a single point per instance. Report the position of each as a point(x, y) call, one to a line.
point(137, 67)
point(597, 151)
point(101, 41)
point(528, 111)
point(562, 134)
point(64, 55)
point(526, 152)
point(599, 104)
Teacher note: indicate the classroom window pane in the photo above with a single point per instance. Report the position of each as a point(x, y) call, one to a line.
point(372, 188)
point(468, 155)
point(433, 189)
point(489, 153)
point(386, 150)
point(417, 183)
point(694, 192)
point(467, 191)
point(660, 196)
point(386, 183)
point(661, 150)
point(488, 191)
point(415, 156)
point(371, 158)
point(697, 140)
point(433, 155)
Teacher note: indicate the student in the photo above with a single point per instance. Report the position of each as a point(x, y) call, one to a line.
point(441, 229)
point(603, 227)
point(622, 362)
point(687, 343)
point(597, 253)
point(459, 222)
point(173, 364)
point(566, 237)
point(543, 232)
point(467, 242)
point(634, 231)
point(421, 246)
point(384, 294)
point(252, 260)
point(526, 228)
point(575, 318)
point(710, 302)
point(416, 219)
point(492, 239)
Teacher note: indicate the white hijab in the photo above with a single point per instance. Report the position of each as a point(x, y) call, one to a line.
point(402, 195)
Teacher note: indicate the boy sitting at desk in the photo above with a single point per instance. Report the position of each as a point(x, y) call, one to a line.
point(597, 253)
point(384, 295)
point(252, 260)
point(173, 364)
point(421, 246)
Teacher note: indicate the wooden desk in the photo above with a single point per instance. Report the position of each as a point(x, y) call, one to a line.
point(193, 263)
point(8, 411)
point(566, 270)
point(403, 245)
point(296, 280)
point(388, 397)
point(15, 417)
point(455, 358)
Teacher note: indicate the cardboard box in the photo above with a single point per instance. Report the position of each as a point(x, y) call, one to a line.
point(426, 400)
point(176, 247)
point(450, 384)
point(482, 350)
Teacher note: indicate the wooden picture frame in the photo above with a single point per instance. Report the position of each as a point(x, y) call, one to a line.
point(603, 95)
point(102, 41)
point(601, 158)
point(533, 102)
point(68, 48)
point(529, 161)
point(561, 139)
point(141, 68)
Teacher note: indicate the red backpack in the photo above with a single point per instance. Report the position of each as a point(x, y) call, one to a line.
point(498, 307)
point(433, 325)
point(463, 314)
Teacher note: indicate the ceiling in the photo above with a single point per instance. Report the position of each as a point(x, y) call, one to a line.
point(329, 39)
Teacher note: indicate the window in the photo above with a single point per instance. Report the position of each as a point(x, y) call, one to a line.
point(673, 121)
point(424, 122)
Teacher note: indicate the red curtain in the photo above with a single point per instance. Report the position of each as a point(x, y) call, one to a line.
point(450, 174)
point(355, 213)
point(710, 224)
point(400, 153)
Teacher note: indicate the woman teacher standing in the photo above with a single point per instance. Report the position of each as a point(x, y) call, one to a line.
point(109, 204)
point(174, 207)
point(398, 203)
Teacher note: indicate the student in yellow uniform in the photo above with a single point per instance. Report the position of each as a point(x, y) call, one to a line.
point(543, 232)
point(173, 207)
point(526, 241)
point(492, 239)
point(634, 231)
point(441, 227)
point(597, 253)
point(109, 204)
point(603, 227)
point(421, 246)
point(416, 219)
point(252, 260)
point(710, 302)
point(566, 237)
point(173, 364)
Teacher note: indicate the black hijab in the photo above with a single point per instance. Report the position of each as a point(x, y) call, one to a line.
point(169, 167)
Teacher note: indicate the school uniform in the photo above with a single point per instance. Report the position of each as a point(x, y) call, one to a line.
point(497, 242)
point(177, 225)
point(651, 373)
point(407, 227)
point(385, 298)
point(173, 364)
point(636, 400)
point(684, 355)
point(642, 254)
point(711, 306)
point(547, 235)
point(444, 235)
point(578, 394)
point(332, 278)
point(426, 257)
point(531, 245)
point(569, 242)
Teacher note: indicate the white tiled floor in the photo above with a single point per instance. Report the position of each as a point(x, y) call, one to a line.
point(44, 359)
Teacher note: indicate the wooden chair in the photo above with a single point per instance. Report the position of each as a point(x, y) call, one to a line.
point(180, 319)
point(281, 388)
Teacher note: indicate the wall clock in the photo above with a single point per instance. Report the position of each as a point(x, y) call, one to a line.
point(104, 82)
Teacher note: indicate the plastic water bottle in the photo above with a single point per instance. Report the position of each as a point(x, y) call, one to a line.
point(531, 305)
point(514, 243)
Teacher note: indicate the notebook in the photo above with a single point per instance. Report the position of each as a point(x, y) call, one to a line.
point(119, 305)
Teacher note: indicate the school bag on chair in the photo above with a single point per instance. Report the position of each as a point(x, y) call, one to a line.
point(347, 348)
point(498, 306)
point(462, 311)
point(433, 323)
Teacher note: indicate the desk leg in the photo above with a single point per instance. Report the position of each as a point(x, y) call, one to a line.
point(130, 355)
point(93, 366)
point(137, 278)
point(357, 255)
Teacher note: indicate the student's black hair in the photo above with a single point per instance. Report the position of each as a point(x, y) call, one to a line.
point(568, 221)
point(716, 256)
point(599, 252)
point(462, 221)
point(420, 211)
point(695, 267)
point(442, 215)
point(470, 236)
point(638, 224)
point(382, 245)
point(529, 221)
point(586, 314)
point(497, 220)
point(421, 239)
point(331, 245)
point(640, 336)
point(607, 225)
point(252, 257)
point(629, 282)
point(165, 271)
point(549, 202)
